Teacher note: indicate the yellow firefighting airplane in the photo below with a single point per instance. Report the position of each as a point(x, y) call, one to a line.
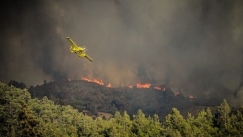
point(80, 51)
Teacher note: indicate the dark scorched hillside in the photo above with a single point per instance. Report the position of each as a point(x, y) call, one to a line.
point(84, 95)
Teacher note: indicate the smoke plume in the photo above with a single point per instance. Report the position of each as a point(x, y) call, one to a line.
point(194, 46)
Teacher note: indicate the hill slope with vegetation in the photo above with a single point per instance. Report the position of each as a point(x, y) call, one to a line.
point(89, 96)
point(22, 115)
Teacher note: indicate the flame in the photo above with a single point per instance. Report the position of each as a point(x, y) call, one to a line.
point(108, 85)
point(86, 79)
point(157, 88)
point(177, 93)
point(146, 85)
point(138, 85)
point(191, 97)
point(100, 82)
point(164, 88)
point(129, 86)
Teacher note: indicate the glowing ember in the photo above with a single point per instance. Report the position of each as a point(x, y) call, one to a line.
point(146, 85)
point(109, 85)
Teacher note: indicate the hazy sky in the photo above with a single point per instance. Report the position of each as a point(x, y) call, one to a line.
point(194, 46)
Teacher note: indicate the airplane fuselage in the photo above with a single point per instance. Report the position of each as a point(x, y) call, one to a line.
point(80, 51)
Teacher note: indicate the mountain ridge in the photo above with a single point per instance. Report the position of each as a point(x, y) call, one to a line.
point(95, 98)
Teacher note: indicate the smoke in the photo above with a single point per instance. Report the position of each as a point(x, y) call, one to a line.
point(194, 46)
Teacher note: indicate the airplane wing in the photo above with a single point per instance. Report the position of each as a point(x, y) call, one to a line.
point(86, 56)
point(73, 44)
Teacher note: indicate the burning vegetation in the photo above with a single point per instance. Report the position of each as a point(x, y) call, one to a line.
point(138, 85)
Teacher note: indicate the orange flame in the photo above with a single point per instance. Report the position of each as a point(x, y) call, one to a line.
point(138, 85)
point(109, 85)
point(146, 85)
point(191, 97)
point(129, 86)
point(86, 79)
point(177, 93)
point(164, 88)
point(157, 88)
point(100, 82)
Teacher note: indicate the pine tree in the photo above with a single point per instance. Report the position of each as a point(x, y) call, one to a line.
point(176, 125)
point(140, 124)
point(155, 126)
point(236, 124)
point(202, 125)
point(28, 124)
point(223, 119)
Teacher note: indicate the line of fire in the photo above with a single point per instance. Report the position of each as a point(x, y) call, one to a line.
point(138, 85)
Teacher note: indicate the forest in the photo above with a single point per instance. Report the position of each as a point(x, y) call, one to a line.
point(24, 116)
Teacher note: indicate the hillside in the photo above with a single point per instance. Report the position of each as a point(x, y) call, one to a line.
point(84, 95)
point(22, 115)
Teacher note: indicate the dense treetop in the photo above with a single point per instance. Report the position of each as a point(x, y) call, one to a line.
point(22, 115)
